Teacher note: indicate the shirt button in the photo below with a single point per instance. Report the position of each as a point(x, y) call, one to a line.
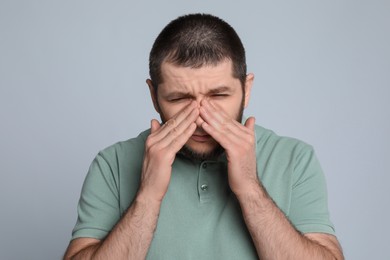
point(204, 166)
point(204, 187)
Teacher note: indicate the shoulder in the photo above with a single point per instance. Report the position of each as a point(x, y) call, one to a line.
point(268, 141)
point(116, 166)
point(289, 158)
point(131, 148)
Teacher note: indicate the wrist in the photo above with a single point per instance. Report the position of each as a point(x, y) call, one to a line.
point(146, 198)
point(253, 191)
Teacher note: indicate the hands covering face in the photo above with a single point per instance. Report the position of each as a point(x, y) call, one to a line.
point(239, 143)
point(165, 141)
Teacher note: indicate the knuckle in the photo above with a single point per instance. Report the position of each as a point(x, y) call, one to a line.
point(148, 145)
point(171, 122)
point(149, 142)
point(151, 149)
point(158, 154)
point(251, 139)
point(227, 123)
point(173, 144)
point(175, 131)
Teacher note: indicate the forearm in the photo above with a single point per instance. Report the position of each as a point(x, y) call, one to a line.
point(130, 238)
point(273, 235)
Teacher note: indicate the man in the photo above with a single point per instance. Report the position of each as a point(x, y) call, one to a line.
point(203, 185)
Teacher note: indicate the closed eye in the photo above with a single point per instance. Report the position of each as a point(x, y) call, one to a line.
point(178, 99)
point(219, 95)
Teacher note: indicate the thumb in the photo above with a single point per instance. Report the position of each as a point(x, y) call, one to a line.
point(154, 125)
point(250, 123)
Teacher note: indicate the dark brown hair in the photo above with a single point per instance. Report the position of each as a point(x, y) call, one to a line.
point(196, 40)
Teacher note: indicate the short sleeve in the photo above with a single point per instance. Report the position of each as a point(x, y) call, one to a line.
point(309, 204)
point(98, 207)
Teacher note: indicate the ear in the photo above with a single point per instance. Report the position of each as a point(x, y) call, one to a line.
point(248, 87)
point(153, 95)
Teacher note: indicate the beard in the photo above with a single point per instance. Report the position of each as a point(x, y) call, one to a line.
point(218, 150)
point(193, 155)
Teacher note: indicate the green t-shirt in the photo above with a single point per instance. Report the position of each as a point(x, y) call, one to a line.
point(200, 218)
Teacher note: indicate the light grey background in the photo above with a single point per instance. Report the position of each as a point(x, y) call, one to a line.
point(72, 81)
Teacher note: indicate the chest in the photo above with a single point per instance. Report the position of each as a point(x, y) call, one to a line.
point(200, 218)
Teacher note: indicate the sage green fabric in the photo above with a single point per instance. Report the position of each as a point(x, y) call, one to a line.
point(198, 221)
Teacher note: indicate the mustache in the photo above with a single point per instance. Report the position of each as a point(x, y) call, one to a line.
point(200, 131)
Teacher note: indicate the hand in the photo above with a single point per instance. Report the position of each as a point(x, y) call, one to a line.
point(239, 143)
point(160, 151)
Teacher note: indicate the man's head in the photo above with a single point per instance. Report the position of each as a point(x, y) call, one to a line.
point(194, 41)
point(198, 57)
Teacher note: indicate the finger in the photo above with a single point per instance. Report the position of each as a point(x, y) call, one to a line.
point(250, 123)
point(212, 115)
point(180, 132)
point(154, 126)
point(181, 120)
point(171, 145)
point(217, 115)
point(225, 130)
point(175, 127)
point(216, 118)
point(224, 137)
point(186, 113)
point(235, 140)
point(177, 143)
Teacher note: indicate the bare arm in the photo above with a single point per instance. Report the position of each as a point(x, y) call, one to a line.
point(132, 235)
point(129, 239)
point(273, 235)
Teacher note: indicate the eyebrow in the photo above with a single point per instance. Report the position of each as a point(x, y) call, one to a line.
point(220, 89)
point(177, 94)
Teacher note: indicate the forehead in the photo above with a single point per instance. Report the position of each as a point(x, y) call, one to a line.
point(175, 76)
